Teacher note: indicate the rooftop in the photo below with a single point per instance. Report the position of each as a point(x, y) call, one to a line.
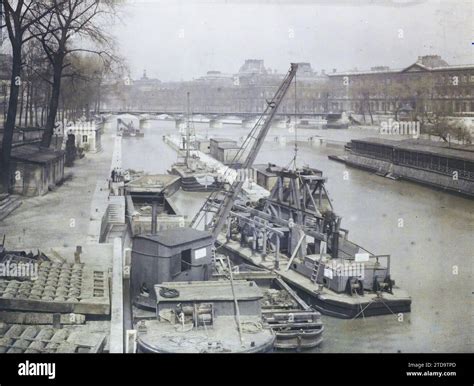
point(465, 152)
point(427, 63)
point(177, 236)
point(218, 139)
point(35, 154)
point(253, 66)
point(211, 291)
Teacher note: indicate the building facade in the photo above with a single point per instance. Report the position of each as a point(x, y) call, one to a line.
point(429, 84)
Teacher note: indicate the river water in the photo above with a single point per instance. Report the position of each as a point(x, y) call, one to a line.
point(432, 253)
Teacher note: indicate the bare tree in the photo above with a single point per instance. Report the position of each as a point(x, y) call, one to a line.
point(20, 15)
point(364, 92)
point(68, 20)
point(80, 89)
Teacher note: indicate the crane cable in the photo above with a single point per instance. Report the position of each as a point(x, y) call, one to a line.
point(293, 160)
point(248, 143)
point(296, 134)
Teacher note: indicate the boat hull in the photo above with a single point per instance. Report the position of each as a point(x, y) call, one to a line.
point(145, 348)
point(339, 305)
point(298, 340)
point(343, 305)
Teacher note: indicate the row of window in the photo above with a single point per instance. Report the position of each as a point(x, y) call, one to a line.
point(465, 169)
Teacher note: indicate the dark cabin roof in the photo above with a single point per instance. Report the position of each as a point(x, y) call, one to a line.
point(177, 236)
point(219, 290)
point(217, 139)
point(35, 154)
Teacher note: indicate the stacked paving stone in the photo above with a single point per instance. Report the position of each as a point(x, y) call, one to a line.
point(18, 339)
point(56, 287)
point(44, 307)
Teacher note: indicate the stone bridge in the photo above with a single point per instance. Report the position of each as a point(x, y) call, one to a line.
point(216, 119)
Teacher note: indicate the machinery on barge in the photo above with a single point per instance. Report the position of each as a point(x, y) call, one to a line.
point(296, 233)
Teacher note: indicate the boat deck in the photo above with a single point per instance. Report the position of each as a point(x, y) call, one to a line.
point(223, 337)
point(326, 301)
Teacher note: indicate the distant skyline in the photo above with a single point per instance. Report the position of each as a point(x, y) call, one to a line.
point(179, 40)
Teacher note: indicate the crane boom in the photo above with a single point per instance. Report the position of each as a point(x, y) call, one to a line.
point(245, 157)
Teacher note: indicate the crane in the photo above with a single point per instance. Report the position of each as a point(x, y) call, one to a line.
point(219, 203)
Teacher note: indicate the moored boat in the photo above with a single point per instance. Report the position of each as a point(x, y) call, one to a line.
point(199, 317)
point(296, 325)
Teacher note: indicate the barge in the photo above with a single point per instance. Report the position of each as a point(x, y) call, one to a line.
point(199, 317)
point(437, 164)
point(148, 205)
point(196, 176)
point(296, 233)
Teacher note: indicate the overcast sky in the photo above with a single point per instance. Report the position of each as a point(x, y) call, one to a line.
point(183, 39)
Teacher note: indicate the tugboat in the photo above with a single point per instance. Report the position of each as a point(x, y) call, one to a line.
point(296, 233)
point(199, 317)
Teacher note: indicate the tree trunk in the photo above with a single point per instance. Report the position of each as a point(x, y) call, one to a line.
point(5, 160)
point(27, 104)
point(53, 102)
point(22, 99)
point(32, 93)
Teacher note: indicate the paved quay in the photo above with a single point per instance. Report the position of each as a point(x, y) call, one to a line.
point(71, 216)
point(62, 218)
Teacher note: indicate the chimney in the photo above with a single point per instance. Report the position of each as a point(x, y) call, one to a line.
point(323, 72)
point(334, 70)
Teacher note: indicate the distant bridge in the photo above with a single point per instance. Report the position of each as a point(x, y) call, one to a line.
point(214, 114)
point(216, 119)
